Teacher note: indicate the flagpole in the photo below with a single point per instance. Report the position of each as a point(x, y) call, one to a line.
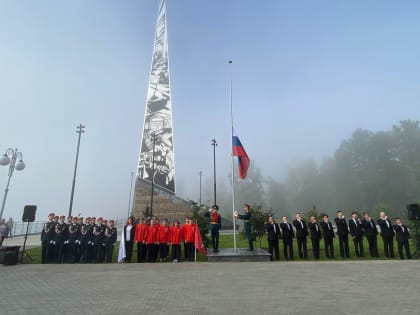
point(233, 160)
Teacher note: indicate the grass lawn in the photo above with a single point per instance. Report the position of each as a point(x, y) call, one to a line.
point(226, 241)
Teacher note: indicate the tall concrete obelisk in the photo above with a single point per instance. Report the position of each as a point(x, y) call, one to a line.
point(156, 166)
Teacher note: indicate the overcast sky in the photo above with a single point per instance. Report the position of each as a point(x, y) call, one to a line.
point(306, 74)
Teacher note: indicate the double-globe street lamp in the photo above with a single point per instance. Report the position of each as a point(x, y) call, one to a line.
point(13, 158)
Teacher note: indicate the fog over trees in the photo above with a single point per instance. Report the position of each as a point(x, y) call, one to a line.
point(370, 171)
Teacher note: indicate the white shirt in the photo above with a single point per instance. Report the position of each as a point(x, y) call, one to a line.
point(128, 233)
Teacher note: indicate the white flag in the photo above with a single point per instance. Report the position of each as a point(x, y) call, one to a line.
point(121, 251)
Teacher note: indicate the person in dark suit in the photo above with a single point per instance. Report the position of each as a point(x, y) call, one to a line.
point(315, 236)
point(273, 236)
point(387, 233)
point(328, 231)
point(343, 234)
point(371, 233)
point(356, 233)
point(402, 238)
point(129, 232)
point(288, 235)
point(301, 234)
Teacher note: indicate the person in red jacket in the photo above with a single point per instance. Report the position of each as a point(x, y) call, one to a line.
point(164, 239)
point(151, 241)
point(176, 239)
point(140, 239)
point(189, 235)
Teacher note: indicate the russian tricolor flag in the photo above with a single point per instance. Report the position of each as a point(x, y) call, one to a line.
point(243, 159)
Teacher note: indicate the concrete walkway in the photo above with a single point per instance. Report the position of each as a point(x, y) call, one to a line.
point(356, 287)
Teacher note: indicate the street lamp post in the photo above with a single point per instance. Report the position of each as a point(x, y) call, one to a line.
point(214, 144)
point(13, 158)
point(79, 131)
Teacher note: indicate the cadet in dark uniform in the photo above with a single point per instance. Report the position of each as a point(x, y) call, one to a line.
point(402, 238)
point(315, 236)
point(73, 238)
point(60, 237)
point(301, 235)
point(98, 234)
point(110, 236)
point(356, 232)
point(343, 234)
point(288, 236)
point(66, 247)
point(46, 237)
point(215, 226)
point(247, 225)
point(387, 233)
point(90, 248)
point(371, 233)
point(273, 236)
point(328, 231)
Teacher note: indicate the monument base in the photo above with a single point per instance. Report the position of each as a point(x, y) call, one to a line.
point(238, 255)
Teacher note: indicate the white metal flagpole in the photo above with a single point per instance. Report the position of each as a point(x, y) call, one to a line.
point(233, 159)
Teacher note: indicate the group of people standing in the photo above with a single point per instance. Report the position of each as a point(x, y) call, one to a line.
point(356, 227)
point(155, 239)
point(77, 240)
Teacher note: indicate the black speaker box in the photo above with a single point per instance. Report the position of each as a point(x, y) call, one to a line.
point(29, 213)
point(413, 211)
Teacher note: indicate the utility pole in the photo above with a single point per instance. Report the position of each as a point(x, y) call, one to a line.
point(200, 174)
point(79, 131)
point(214, 144)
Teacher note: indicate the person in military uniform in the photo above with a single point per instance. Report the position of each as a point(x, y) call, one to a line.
point(98, 234)
point(110, 238)
point(73, 239)
point(60, 236)
point(47, 237)
point(247, 225)
point(215, 226)
point(66, 247)
point(90, 248)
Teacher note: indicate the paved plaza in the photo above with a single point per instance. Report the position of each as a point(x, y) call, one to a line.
point(356, 287)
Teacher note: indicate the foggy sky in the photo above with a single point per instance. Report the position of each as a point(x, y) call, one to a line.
point(305, 75)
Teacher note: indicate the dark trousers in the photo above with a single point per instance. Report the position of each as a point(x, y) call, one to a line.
point(406, 246)
point(152, 251)
point(343, 242)
point(273, 245)
point(358, 246)
point(190, 250)
point(90, 252)
point(215, 240)
point(288, 249)
point(44, 251)
point(128, 251)
point(176, 252)
point(388, 246)
point(109, 251)
point(97, 252)
point(141, 252)
point(163, 251)
point(185, 250)
point(59, 245)
point(329, 247)
point(373, 245)
point(302, 249)
point(315, 247)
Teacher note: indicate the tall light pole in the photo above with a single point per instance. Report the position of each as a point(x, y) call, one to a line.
point(200, 173)
point(79, 131)
point(13, 158)
point(214, 144)
point(129, 198)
